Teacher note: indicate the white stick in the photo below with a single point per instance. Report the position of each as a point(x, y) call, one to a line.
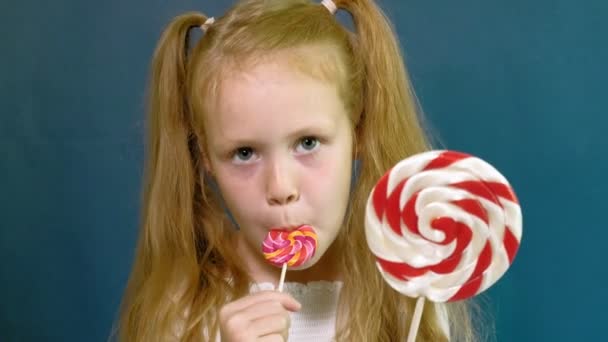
point(411, 337)
point(282, 281)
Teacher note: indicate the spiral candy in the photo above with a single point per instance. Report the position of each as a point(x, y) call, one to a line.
point(293, 247)
point(443, 225)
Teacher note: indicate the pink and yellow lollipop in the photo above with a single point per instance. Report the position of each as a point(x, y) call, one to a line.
point(283, 247)
point(293, 248)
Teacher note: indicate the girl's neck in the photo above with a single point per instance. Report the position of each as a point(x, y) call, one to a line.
point(261, 272)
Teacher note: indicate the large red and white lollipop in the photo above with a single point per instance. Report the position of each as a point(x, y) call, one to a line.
point(443, 225)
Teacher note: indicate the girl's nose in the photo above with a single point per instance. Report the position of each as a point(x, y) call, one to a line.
point(281, 183)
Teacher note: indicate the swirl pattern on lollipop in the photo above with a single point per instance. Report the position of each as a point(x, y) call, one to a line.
point(293, 247)
point(443, 225)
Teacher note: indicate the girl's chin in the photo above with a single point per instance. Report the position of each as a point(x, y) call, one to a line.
point(304, 266)
point(307, 264)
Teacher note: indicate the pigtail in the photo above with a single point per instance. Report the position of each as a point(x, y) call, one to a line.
point(390, 103)
point(170, 168)
point(167, 241)
point(390, 128)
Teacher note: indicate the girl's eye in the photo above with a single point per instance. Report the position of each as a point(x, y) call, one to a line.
point(242, 154)
point(309, 143)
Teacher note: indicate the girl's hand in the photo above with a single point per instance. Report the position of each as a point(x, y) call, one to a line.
point(261, 317)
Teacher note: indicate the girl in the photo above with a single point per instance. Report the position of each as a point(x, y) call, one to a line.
point(261, 124)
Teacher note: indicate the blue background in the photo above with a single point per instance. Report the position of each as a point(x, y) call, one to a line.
point(521, 84)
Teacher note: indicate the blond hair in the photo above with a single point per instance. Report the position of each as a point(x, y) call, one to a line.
point(184, 269)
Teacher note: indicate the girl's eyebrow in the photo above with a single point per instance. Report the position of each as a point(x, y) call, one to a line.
point(325, 128)
point(319, 129)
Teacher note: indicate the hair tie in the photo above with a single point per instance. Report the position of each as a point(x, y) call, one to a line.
point(330, 5)
point(207, 23)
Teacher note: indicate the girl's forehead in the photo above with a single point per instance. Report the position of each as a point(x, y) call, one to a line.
point(273, 99)
point(272, 87)
point(320, 61)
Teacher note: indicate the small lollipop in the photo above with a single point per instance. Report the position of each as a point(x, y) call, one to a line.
point(443, 225)
point(292, 248)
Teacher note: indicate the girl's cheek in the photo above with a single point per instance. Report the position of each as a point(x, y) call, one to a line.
point(320, 178)
point(236, 183)
point(238, 175)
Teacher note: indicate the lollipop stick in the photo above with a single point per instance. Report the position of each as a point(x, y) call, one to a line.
point(282, 281)
point(411, 337)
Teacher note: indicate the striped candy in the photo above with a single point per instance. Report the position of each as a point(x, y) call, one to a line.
point(292, 247)
point(443, 225)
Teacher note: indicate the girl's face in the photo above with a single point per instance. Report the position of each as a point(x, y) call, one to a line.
point(280, 148)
